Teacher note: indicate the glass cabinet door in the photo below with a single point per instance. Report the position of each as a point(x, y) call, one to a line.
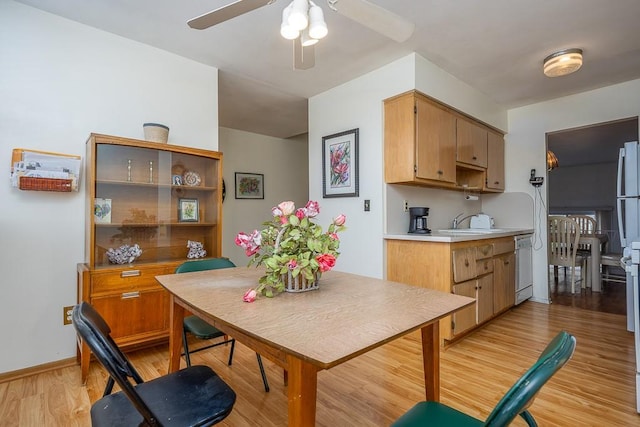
point(158, 199)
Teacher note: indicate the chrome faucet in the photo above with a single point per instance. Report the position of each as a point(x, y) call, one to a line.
point(456, 222)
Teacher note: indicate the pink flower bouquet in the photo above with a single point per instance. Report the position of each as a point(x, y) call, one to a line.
point(292, 242)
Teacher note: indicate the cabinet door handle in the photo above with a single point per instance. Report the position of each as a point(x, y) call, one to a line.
point(474, 158)
point(127, 295)
point(130, 273)
point(497, 182)
point(440, 172)
point(466, 263)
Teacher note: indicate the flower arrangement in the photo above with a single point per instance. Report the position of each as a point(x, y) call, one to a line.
point(291, 242)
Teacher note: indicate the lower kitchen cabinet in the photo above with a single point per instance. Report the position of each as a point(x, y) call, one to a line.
point(466, 318)
point(504, 273)
point(483, 269)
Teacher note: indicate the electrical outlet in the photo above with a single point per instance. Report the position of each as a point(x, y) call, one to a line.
point(405, 206)
point(66, 318)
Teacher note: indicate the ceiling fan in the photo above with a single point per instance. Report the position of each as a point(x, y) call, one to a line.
point(312, 27)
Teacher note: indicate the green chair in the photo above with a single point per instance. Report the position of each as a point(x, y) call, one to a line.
point(199, 328)
point(519, 397)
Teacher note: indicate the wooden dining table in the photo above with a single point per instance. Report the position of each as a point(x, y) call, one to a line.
point(304, 333)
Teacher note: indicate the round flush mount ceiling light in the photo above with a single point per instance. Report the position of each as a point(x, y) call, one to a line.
point(563, 62)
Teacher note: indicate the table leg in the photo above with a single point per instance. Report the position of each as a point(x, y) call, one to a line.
point(302, 392)
point(176, 317)
point(431, 360)
point(596, 284)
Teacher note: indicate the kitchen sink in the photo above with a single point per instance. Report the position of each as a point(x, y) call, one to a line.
point(472, 230)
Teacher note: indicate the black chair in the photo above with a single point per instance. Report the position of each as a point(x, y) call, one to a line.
point(519, 397)
point(193, 396)
point(201, 329)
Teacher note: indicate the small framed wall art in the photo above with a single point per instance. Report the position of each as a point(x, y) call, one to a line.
point(188, 210)
point(340, 164)
point(249, 185)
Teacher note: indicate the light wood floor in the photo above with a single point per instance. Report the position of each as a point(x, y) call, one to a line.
point(596, 388)
point(612, 299)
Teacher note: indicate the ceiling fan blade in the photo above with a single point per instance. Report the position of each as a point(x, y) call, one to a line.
point(224, 13)
point(376, 18)
point(303, 57)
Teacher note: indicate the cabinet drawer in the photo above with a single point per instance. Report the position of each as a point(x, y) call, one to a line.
point(484, 251)
point(130, 314)
point(484, 266)
point(504, 246)
point(126, 280)
point(464, 264)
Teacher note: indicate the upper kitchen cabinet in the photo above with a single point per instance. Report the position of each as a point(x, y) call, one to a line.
point(495, 162)
point(471, 143)
point(420, 142)
point(430, 144)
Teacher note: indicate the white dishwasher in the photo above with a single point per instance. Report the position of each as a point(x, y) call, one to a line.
point(524, 268)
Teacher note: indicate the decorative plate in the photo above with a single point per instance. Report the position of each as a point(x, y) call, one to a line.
point(191, 178)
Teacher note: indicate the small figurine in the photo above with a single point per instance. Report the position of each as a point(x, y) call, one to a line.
point(196, 250)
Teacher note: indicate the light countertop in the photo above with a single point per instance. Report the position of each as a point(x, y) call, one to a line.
point(461, 235)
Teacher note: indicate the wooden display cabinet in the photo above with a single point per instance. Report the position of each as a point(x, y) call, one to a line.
point(159, 197)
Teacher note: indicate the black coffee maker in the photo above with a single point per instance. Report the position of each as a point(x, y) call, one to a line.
point(418, 220)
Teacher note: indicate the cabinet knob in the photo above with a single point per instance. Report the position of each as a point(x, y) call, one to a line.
point(497, 182)
point(474, 158)
point(466, 263)
point(440, 172)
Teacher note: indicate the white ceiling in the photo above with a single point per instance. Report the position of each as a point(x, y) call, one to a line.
point(496, 46)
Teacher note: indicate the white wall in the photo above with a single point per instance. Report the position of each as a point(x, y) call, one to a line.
point(526, 149)
point(284, 163)
point(359, 104)
point(59, 81)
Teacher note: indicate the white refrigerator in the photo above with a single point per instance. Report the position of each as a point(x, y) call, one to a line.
point(628, 207)
point(631, 266)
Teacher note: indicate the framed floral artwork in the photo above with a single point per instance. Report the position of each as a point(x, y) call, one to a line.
point(249, 185)
point(340, 164)
point(188, 210)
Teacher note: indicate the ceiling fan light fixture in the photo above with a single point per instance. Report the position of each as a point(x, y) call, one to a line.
point(563, 62)
point(307, 40)
point(317, 25)
point(299, 18)
point(286, 30)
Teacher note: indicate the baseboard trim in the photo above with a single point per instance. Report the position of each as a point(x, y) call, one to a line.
point(33, 370)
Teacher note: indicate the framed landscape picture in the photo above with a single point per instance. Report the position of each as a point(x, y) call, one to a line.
point(188, 210)
point(340, 164)
point(249, 185)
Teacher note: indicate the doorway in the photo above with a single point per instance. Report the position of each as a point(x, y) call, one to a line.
point(584, 183)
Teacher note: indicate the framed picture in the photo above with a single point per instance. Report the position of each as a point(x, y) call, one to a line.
point(340, 164)
point(102, 211)
point(188, 210)
point(249, 185)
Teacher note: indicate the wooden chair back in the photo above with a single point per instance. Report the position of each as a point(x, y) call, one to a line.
point(587, 225)
point(564, 234)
